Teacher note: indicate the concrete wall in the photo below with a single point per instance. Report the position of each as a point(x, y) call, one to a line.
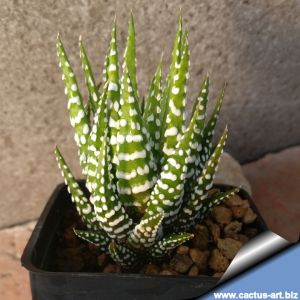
point(254, 45)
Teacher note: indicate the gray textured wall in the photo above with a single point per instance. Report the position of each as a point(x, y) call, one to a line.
point(254, 45)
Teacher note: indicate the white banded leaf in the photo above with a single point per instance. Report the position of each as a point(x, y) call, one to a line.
point(98, 238)
point(95, 140)
point(204, 184)
point(136, 162)
point(175, 119)
point(209, 131)
point(212, 201)
point(122, 255)
point(113, 94)
point(167, 244)
point(77, 112)
point(152, 111)
point(145, 233)
point(89, 77)
point(108, 207)
point(176, 57)
point(83, 206)
point(130, 55)
point(193, 166)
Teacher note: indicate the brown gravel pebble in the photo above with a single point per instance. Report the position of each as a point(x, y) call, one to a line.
point(229, 247)
point(250, 216)
point(102, 260)
point(238, 212)
point(214, 229)
point(181, 263)
point(112, 268)
point(199, 258)
point(222, 214)
point(168, 272)
point(201, 237)
point(218, 262)
point(182, 249)
point(194, 271)
point(151, 269)
point(232, 229)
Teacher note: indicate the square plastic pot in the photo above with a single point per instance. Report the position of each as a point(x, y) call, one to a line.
point(52, 285)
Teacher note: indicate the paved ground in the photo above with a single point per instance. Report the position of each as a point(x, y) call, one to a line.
point(275, 181)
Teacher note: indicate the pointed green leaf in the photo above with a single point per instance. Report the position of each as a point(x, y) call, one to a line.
point(145, 233)
point(163, 247)
point(193, 165)
point(113, 91)
point(174, 126)
point(205, 182)
point(98, 238)
point(122, 255)
point(130, 55)
point(168, 192)
point(209, 130)
point(212, 201)
point(135, 159)
point(83, 206)
point(78, 116)
point(95, 140)
point(176, 56)
point(89, 78)
point(108, 208)
point(152, 112)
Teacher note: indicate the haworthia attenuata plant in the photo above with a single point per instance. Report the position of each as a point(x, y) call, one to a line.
point(148, 175)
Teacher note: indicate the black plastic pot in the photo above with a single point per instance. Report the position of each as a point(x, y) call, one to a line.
point(47, 284)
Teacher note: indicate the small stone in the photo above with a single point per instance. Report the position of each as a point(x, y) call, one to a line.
point(229, 247)
point(201, 237)
point(168, 272)
point(194, 271)
point(234, 200)
point(218, 262)
point(151, 269)
point(250, 216)
point(102, 260)
point(239, 211)
point(182, 249)
point(181, 263)
point(110, 268)
point(222, 214)
point(199, 258)
point(232, 229)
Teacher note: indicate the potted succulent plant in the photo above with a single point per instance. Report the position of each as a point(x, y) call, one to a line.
point(149, 179)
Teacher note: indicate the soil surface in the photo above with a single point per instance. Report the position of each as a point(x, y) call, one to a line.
point(217, 240)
